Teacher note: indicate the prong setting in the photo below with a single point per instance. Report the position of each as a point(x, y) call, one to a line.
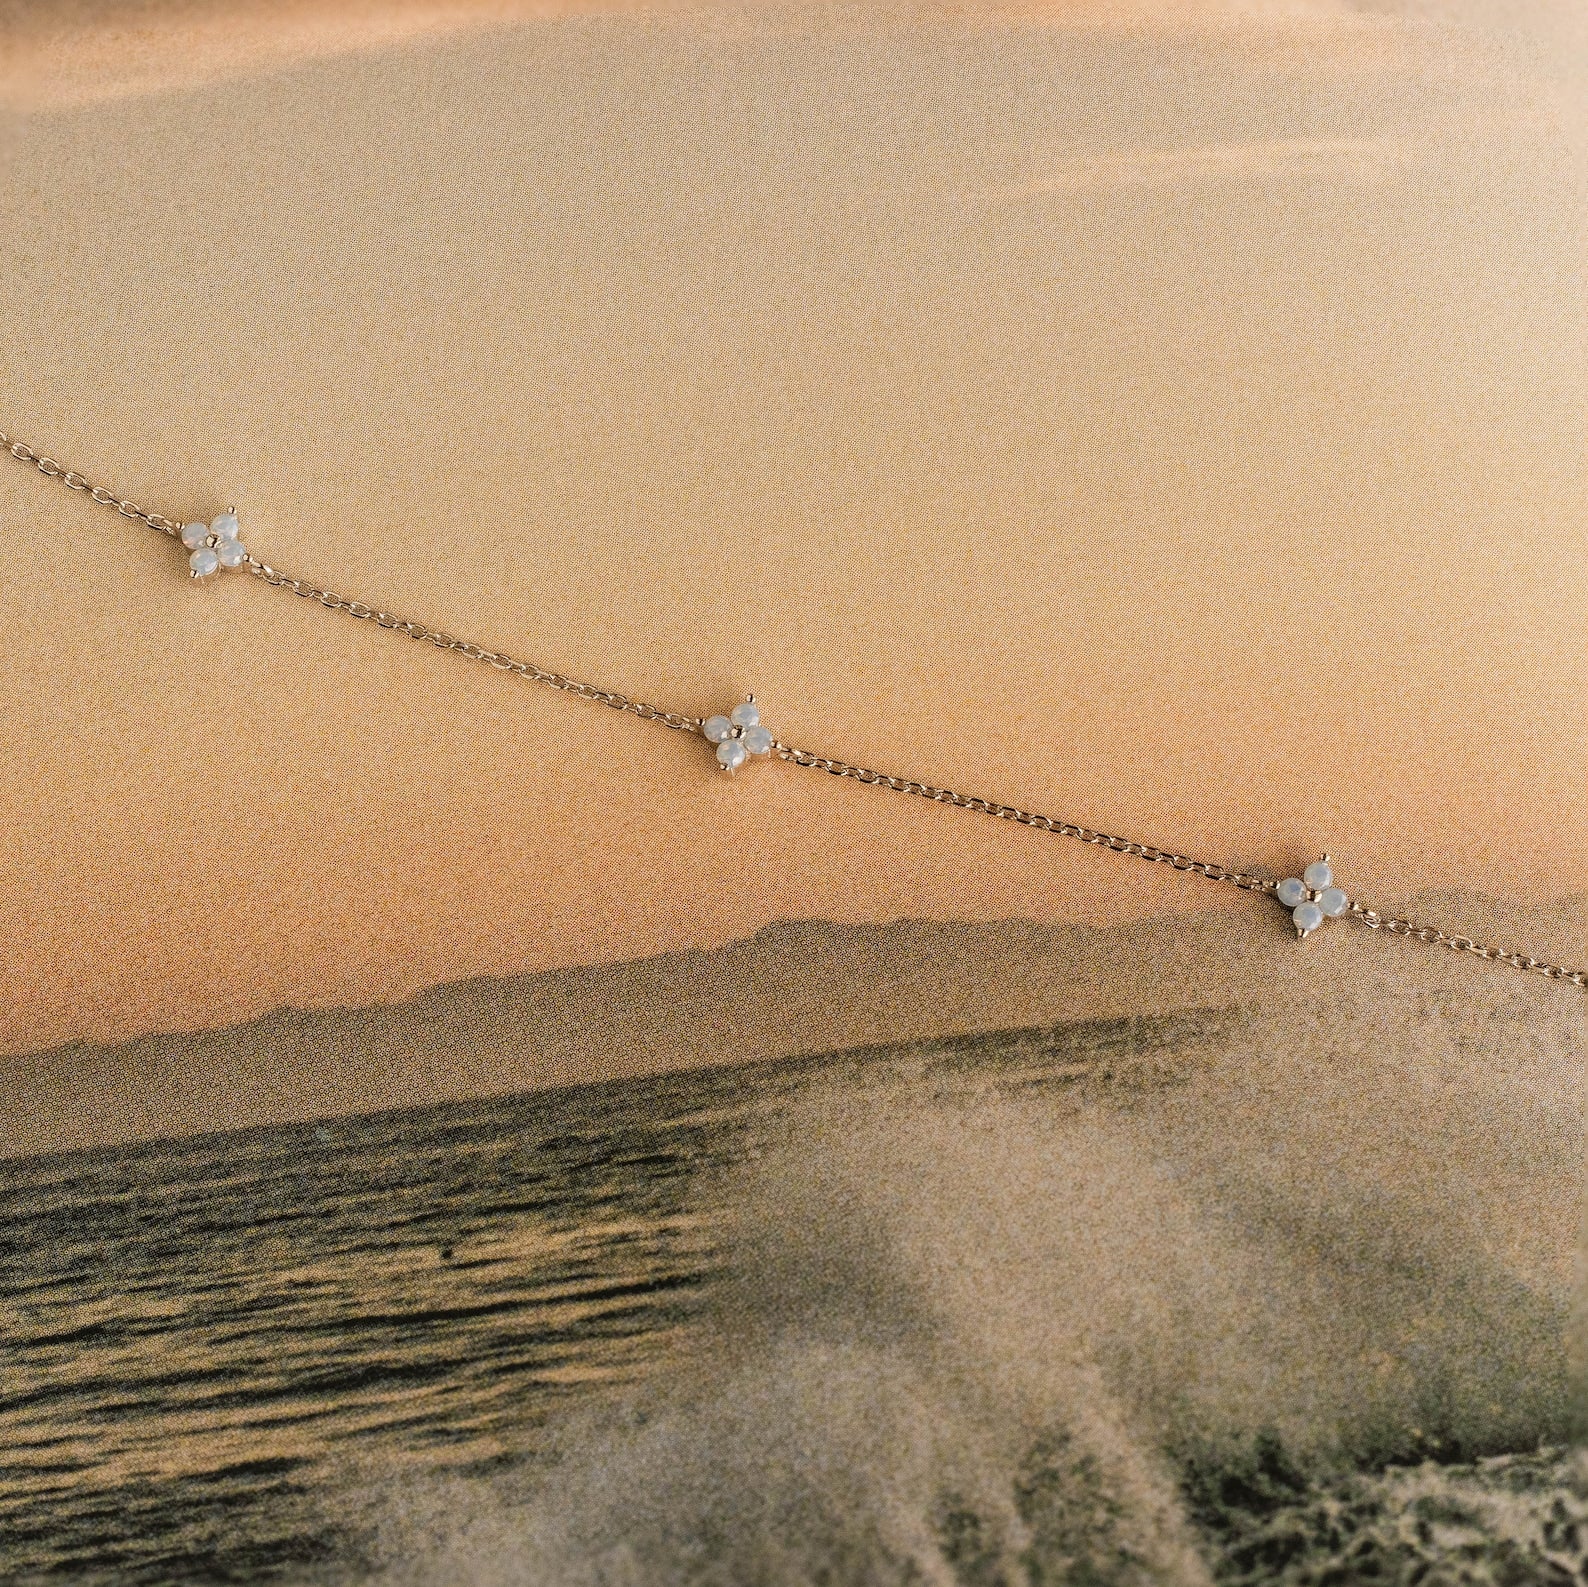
point(738, 735)
point(1312, 897)
point(214, 545)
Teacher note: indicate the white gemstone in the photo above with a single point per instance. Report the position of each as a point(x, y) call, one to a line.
point(225, 526)
point(230, 553)
point(716, 728)
point(1291, 891)
point(731, 753)
point(1317, 875)
point(1307, 915)
point(1332, 901)
point(203, 562)
point(758, 740)
point(746, 715)
point(194, 535)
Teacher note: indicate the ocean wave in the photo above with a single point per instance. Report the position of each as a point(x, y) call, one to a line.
point(1297, 1314)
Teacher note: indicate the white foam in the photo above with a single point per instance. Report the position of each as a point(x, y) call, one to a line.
point(974, 1338)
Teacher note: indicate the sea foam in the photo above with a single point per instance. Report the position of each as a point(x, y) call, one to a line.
point(1105, 1332)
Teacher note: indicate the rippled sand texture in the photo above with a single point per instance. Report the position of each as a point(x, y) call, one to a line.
point(1210, 1297)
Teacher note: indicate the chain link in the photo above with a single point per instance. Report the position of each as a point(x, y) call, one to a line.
point(24, 453)
point(1028, 818)
point(466, 648)
point(1398, 926)
point(1394, 925)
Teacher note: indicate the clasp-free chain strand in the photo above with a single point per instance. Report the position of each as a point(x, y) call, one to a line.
point(24, 453)
point(1394, 925)
point(1028, 818)
point(466, 648)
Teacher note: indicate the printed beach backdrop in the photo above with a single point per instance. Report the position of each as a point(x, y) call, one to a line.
point(452, 1136)
point(1208, 1294)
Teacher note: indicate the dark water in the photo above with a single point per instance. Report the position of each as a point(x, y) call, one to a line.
point(959, 1313)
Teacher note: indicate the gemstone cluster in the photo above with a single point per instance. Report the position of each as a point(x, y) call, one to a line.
point(738, 735)
point(214, 545)
point(1312, 897)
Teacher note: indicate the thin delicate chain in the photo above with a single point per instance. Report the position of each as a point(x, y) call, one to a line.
point(463, 647)
point(1395, 925)
point(337, 603)
point(1026, 818)
point(1400, 927)
point(74, 481)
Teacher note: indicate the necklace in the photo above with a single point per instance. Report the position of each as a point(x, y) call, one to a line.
point(739, 736)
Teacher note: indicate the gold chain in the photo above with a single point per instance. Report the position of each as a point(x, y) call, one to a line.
point(463, 647)
point(1394, 925)
point(1026, 818)
point(74, 481)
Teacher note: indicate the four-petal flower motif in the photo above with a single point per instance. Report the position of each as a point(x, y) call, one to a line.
point(214, 545)
point(738, 735)
point(1312, 897)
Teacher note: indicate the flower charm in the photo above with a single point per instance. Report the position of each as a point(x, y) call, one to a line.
point(738, 735)
point(214, 545)
point(1313, 898)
